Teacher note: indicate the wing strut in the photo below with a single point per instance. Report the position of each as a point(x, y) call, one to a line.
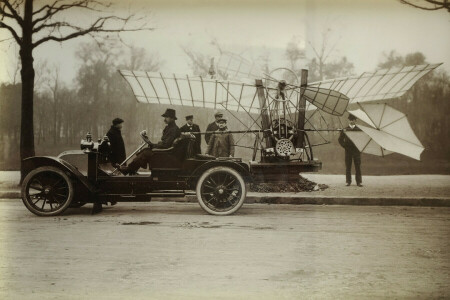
point(264, 109)
point(302, 109)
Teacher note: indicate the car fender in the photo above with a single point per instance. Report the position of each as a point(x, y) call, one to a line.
point(31, 163)
point(239, 167)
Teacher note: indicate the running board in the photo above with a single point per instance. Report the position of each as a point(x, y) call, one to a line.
point(165, 194)
point(141, 197)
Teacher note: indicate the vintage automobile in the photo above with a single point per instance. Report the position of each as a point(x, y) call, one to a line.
point(52, 184)
point(281, 100)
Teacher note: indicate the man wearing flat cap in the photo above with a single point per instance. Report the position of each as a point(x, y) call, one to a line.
point(213, 126)
point(114, 134)
point(351, 153)
point(170, 133)
point(191, 127)
point(221, 144)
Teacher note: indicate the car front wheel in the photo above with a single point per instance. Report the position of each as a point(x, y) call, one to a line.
point(47, 191)
point(221, 191)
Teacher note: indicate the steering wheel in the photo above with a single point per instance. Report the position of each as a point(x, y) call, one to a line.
point(144, 136)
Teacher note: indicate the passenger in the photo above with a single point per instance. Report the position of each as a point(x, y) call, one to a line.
point(170, 133)
point(191, 127)
point(221, 144)
point(213, 126)
point(114, 135)
point(351, 153)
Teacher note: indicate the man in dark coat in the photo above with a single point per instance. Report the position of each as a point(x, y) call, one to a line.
point(351, 153)
point(213, 126)
point(114, 134)
point(191, 127)
point(170, 133)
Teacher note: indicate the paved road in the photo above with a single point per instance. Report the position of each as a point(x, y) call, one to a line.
point(174, 250)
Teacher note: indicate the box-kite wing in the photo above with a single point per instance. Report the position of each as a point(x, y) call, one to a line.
point(198, 91)
point(377, 86)
point(193, 91)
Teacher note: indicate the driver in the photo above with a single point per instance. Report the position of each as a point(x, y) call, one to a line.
point(170, 133)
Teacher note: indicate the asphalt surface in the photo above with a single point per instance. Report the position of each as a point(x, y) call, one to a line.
point(176, 251)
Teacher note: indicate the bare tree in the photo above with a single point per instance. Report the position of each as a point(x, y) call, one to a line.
point(428, 4)
point(294, 53)
point(30, 28)
point(323, 52)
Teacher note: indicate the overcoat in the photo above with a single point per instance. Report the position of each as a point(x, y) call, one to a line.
point(346, 143)
point(194, 128)
point(118, 154)
point(170, 133)
point(221, 145)
point(211, 127)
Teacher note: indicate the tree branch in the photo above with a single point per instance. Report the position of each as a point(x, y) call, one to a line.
point(437, 4)
point(55, 25)
point(4, 13)
point(13, 13)
point(96, 27)
point(45, 7)
point(13, 32)
point(54, 9)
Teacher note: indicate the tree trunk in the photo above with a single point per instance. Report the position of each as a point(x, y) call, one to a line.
point(27, 75)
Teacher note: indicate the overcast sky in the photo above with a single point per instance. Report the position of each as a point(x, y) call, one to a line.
point(362, 31)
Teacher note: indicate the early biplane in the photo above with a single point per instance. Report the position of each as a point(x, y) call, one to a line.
point(275, 104)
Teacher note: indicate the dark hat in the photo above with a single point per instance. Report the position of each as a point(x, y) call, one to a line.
point(117, 121)
point(170, 113)
point(190, 117)
point(351, 117)
point(218, 114)
point(222, 120)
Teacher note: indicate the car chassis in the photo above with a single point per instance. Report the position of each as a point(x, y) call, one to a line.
point(51, 184)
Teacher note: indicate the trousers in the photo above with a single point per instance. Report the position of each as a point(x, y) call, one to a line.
point(143, 159)
point(356, 158)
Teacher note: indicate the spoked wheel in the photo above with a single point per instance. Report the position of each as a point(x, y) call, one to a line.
point(221, 191)
point(47, 191)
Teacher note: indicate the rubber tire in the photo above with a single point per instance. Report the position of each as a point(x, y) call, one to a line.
point(221, 169)
point(47, 169)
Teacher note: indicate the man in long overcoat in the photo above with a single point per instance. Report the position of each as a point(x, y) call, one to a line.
point(352, 153)
point(213, 126)
point(114, 134)
point(191, 127)
point(170, 133)
point(221, 144)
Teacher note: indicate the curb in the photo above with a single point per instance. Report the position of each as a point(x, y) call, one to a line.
point(307, 199)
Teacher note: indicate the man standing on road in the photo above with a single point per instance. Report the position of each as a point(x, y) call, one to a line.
point(213, 126)
point(191, 127)
point(114, 134)
point(221, 144)
point(351, 153)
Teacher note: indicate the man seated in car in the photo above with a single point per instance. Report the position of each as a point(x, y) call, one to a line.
point(170, 133)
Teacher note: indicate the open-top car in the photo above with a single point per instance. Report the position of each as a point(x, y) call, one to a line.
point(52, 184)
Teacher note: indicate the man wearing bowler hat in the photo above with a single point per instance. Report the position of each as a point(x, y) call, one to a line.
point(170, 133)
point(114, 134)
point(213, 126)
point(351, 153)
point(191, 127)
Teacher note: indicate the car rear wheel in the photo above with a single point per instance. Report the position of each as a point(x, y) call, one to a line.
point(221, 191)
point(47, 191)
